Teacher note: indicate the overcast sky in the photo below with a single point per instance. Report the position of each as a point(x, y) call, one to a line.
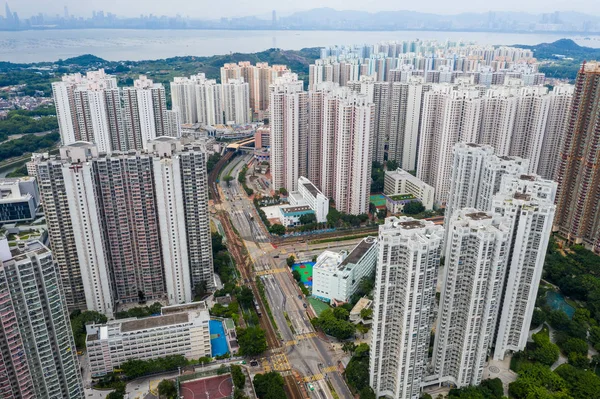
point(209, 9)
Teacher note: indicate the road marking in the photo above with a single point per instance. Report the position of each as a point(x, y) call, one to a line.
point(270, 271)
point(313, 378)
point(329, 369)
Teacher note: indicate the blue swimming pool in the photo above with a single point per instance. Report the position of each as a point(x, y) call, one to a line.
point(557, 302)
point(218, 340)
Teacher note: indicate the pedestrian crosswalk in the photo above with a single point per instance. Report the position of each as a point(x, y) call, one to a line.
point(299, 338)
point(270, 271)
point(320, 376)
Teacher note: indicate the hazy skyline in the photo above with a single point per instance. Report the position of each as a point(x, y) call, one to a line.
point(238, 8)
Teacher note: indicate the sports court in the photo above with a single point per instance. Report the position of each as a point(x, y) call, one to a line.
point(306, 272)
point(218, 340)
point(217, 387)
point(378, 200)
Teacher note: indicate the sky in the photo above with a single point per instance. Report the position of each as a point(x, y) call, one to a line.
point(209, 9)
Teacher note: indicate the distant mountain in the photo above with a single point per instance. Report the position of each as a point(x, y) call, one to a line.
point(566, 47)
point(329, 18)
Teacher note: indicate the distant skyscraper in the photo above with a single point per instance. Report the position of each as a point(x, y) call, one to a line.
point(450, 115)
point(405, 284)
point(38, 356)
point(274, 18)
point(477, 244)
point(236, 101)
point(578, 174)
point(527, 202)
point(94, 109)
point(289, 132)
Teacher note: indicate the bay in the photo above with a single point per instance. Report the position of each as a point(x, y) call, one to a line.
point(135, 45)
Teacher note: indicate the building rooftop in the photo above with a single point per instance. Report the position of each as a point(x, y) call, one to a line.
point(412, 224)
point(478, 215)
point(401, 197)
point(528, 177)
point(363, 303)
point(311, 189)
point(296, 210)
point(522, 196)
point(153, 322)
point(358, 252)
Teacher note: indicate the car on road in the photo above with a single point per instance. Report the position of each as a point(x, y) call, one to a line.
point(299, 296)
point(305, 305)
point(276, 256)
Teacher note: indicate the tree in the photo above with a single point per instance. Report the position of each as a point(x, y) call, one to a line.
point(341, 313)
point(228, 179)
point(269, 386)
point(252, 341)
point(336, 327)
point(308, 218)
point(357, 371)
point(382, 213)
point(574, 345)
point(290, 260)
point(367, 393)
point(296, 275)
point(413, 208)
point(239, 394)
point(283, 191)
point(494, 387)
point(200, 289)
point(349, 347)
point(115, 395)
point(543, 350)
point(277, 229)
point(167, 389)
point(538, 318)
point(366, 313)
point(204, 360)
point(222, 370)
point(238, 376)
point(392, 165)
point(245, 297)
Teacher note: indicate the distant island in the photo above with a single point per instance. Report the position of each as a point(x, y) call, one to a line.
point(326, 19)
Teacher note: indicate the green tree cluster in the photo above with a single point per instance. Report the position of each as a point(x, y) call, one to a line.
point(252, 341)
point(78, 321)
point(489, 389)
point(227, 312)
point(377, 177)
point(543, 351)
point(140, 311)
point(413, 208)
point(135, 368)
point(212, 161)
point(238, 376)
point(334, 323)
point(269, 386)
point(167, 389)
point(22, 122)
point(357, 371)
point(277, 229)
point(25, 144)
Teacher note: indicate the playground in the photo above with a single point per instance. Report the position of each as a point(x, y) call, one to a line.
point(306, 272)
point(217, 387)
point(218, 340)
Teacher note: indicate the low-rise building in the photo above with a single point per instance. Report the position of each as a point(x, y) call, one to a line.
point(290, 215)
point(363, 303)
point(401, 182)
point(309, 194)
point(336, 276)
point(179, 330)
point(395, 203)
point(19, 199)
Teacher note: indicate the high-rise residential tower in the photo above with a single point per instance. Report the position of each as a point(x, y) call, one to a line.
point(451, 115)
point(38, 349)
point(138, 222)
point(236, 101)
point(578, 174)
point(477, 244)
point(527, 202)
point(405, 284)
point(289, 132)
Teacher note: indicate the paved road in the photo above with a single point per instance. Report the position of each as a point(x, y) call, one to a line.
point(307, 353)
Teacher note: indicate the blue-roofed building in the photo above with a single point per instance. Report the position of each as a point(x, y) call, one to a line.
point(290, 215)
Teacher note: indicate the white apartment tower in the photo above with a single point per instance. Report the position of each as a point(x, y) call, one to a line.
point(476, 177)
point(145, 113)
point(527, 202)
point(477, 244)
point(451, 115)
point(32, 299)
point(406, 277)
point(209, 102)
point(129, 226)
point(236, 101)
point(406, 104)
point(183, 97)
point(353, 154)
point(289, 132)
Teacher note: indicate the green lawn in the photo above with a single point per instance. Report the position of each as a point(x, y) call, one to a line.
point(318, 306)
